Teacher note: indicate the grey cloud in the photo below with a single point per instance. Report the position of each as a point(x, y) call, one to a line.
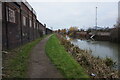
point(64, 15)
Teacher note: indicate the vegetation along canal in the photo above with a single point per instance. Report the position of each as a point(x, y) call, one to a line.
point(100, 49)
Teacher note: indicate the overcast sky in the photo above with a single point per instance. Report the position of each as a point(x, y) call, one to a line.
point(60, 15)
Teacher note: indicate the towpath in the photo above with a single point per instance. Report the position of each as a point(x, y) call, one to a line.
point(39, 65)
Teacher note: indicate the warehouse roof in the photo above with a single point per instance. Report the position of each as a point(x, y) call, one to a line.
point(24, 1)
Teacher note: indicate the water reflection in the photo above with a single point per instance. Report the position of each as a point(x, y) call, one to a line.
point(99, 48)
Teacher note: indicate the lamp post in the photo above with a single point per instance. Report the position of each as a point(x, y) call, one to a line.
point(96, 19)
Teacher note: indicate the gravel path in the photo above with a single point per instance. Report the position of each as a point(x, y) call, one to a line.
point(40, 65)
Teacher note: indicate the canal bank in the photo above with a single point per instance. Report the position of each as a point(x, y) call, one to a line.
point(110, 49)
point(95, 66)
point(63, 61)
point(108, 34)
point(100, 49)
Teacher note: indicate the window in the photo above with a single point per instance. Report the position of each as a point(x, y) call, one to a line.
point(24, 20)
point(38, 26)
point(43, 32)
point(10, 15)
point(30, 23)
point(34, 25)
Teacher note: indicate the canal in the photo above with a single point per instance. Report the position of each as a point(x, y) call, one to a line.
point(102, 49)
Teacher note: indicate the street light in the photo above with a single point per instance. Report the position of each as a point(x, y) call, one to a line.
point(96, 19)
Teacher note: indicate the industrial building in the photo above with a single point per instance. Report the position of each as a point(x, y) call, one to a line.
point(19, 24)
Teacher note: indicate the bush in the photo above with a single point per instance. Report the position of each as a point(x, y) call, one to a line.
point(109, 62)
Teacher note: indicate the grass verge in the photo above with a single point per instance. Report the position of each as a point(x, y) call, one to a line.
point(15, 62)
point(63, 60)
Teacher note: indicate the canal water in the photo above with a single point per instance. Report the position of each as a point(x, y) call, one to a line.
point(102, 49)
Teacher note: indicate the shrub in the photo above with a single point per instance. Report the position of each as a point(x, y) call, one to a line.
point(109, 62)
